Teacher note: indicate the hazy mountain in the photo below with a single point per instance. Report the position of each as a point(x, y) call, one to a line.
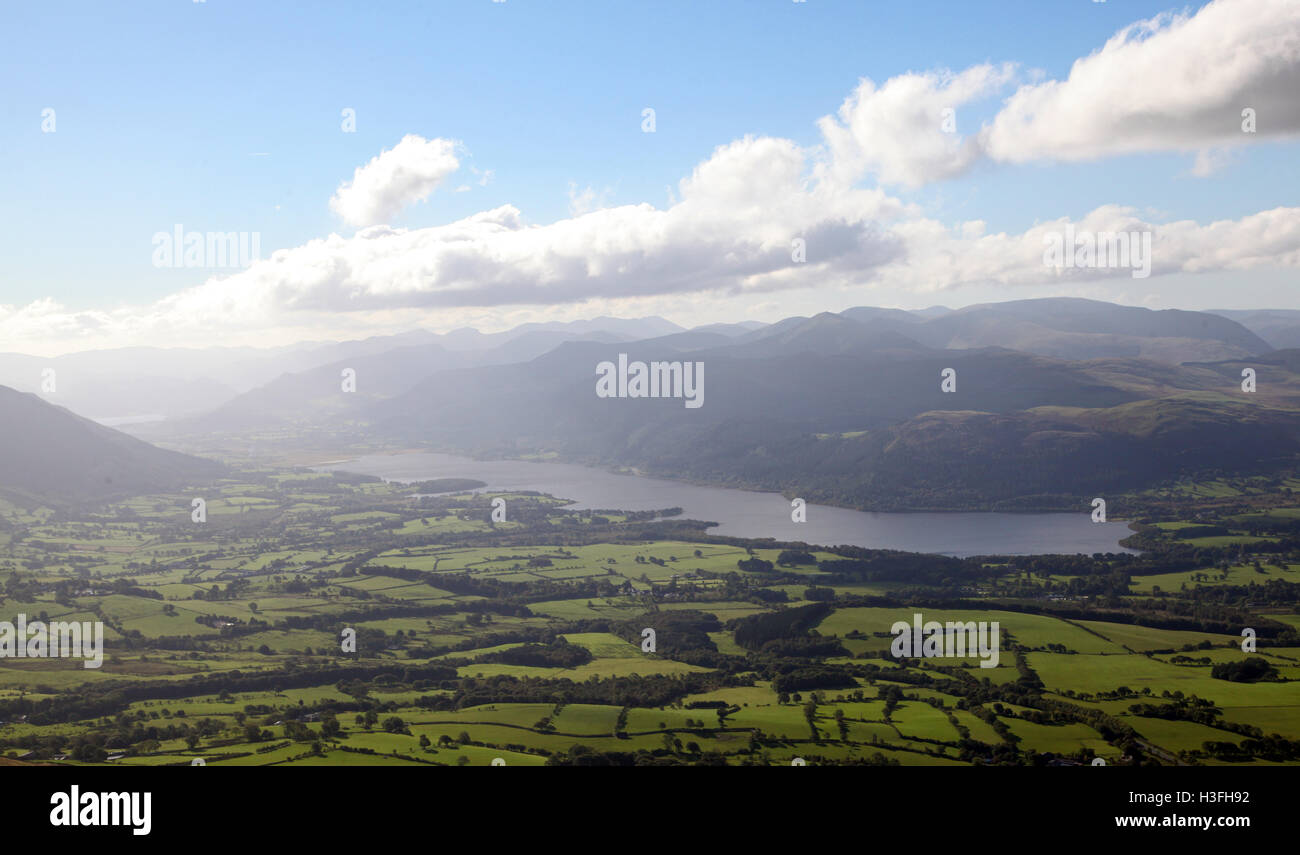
point(632, 328)
point(551, 401)
point(316, 397)
point(867, 314)
point(844, 409)
point(738, 328)
point(1071, 328)
point(826, 333)
point(839, 406)
point(54, 456)
point(106, 397)
point(626, 329)
point(532, 344)
point(1279, 327)
point(174, 383)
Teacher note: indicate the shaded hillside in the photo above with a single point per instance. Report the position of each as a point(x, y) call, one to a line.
point(51, 455)
point(851, 370)
point(871, 427)
point(1045, 458)
point(551, 401)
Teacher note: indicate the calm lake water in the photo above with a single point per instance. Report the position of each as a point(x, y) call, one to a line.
point(744, 513)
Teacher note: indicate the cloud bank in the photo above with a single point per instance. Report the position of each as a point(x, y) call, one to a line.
point(763, 215)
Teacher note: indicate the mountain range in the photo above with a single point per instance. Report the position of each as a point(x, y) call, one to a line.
point(1049, 399)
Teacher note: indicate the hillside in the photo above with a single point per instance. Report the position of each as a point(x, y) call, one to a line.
point(829, 408)
point(50, 455)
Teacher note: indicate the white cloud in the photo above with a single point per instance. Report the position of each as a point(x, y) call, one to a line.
point(725, 235)
point(727, 239)
point(939, 258)
point(897, 131)
point(1175, 83)
point(1171, 83)
point(394, 179)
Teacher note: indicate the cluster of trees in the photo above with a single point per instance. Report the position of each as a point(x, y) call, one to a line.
point(1274, 748)
point(814, 677)
point(795, 558)
point(682, 635)
point(1252, 669)
point(755, 631)
point(95, 700)
point(648, 690)
point(557, 654)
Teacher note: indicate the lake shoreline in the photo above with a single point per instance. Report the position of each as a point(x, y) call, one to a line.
point(755, 514)
point(744, 486)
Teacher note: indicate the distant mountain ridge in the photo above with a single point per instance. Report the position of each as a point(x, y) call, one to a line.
point(1279, 327)
point(841, 405)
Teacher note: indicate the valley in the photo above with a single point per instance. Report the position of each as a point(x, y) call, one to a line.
point(415, 554)
point(479, 641)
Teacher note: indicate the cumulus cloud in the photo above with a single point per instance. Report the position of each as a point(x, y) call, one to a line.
point(733, 229)
point(384, 277)
point(905, 131)
point(394, 179)
point(1171, 83)
point(1201, 83)
point(727, 237)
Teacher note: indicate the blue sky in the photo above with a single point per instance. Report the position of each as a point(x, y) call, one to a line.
point(226, 116)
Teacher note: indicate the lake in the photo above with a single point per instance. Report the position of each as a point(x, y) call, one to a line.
point(746, 513)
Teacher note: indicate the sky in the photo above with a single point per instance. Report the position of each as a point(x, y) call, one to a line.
point(480, 163)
